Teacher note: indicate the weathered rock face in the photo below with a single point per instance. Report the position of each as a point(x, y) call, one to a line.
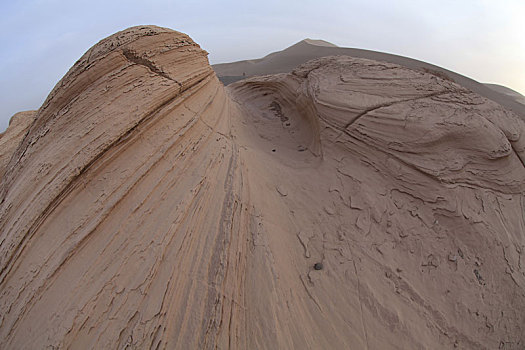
point(11, 138)
point(288, 59)
point(415, 206)
point(150, 207)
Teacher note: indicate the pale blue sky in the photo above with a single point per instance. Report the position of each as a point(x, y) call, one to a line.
point(41, 39)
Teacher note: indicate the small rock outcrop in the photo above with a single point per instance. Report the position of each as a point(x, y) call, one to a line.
point(11, 138)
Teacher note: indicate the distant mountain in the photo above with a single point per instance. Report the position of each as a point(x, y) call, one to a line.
point(308, 49)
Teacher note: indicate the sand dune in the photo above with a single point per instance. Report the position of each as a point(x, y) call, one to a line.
point(286, 60)
point(349, 203)
point(509, 92)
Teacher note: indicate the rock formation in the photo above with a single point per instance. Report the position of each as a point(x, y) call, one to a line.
point(350, 203)
point(286, 60)
point(11, 138)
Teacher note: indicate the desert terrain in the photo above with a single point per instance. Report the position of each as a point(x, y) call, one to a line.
point(286, 60)
point(341, 203)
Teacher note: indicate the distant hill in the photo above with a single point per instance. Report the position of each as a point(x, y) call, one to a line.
point(308, 49)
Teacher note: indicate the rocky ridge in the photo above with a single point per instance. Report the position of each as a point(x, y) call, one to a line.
point(348, 204)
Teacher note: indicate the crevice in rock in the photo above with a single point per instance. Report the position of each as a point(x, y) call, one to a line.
point(388, 104)
point(133, 57)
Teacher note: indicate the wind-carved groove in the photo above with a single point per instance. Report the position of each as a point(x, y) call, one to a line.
point(133, 57)
point(388, 104)
point(219, 271)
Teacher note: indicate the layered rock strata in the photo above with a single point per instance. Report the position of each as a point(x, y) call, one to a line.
point(348, 204)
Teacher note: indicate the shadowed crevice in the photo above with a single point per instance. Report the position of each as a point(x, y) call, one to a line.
point(133, 57)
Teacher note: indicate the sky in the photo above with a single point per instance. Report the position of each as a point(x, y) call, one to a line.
point(41, 39)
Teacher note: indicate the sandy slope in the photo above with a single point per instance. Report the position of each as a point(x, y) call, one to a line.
point(509, 92)
point(286, 60)
point(150, 207)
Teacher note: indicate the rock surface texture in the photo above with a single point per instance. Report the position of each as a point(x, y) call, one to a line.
point(147, 206)
point(11, 138)
point(286, 60)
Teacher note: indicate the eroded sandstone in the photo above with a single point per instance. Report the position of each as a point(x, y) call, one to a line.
point(150, 207)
